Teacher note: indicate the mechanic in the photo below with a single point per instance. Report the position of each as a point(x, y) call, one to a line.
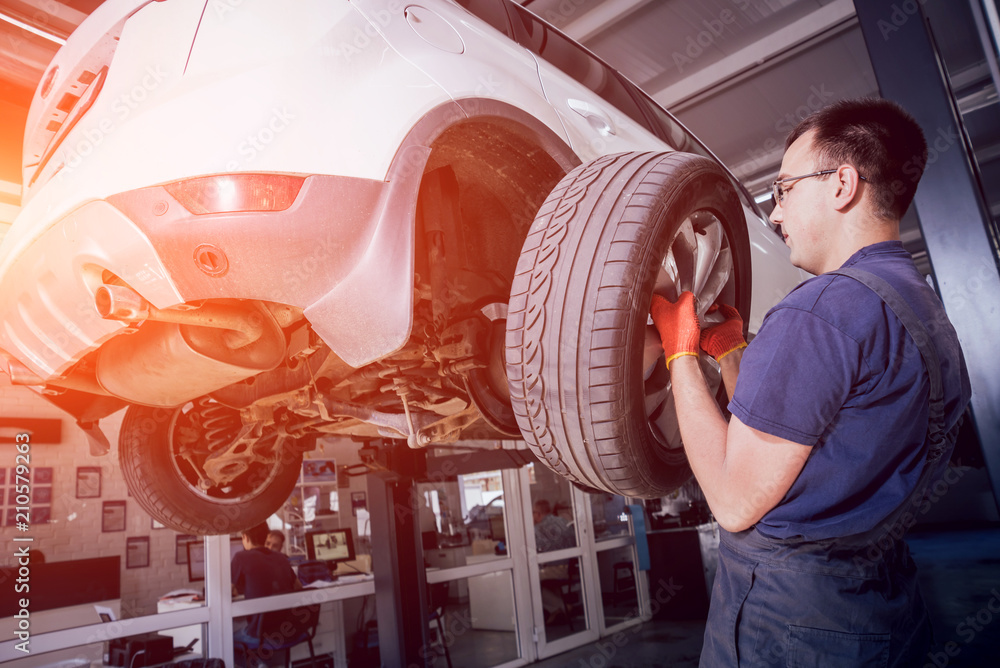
point(834, 435)
point(258, 572)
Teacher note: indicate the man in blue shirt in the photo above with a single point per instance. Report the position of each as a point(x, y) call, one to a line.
point(833, 436)
point(258, 572)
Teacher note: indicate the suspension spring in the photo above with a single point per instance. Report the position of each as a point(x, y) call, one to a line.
point(218, 423)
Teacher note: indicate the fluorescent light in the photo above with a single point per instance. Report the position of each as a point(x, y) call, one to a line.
point(32, 29)
point(760, 199)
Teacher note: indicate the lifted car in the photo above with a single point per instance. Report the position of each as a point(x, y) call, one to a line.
point(253, 225)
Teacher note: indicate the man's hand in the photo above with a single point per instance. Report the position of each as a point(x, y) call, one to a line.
point(677, 324)
point(726, 337)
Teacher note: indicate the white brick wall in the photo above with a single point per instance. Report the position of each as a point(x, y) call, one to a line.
point(74, 531)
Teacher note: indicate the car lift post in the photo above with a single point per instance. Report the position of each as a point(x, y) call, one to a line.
point(397, 556)
point(956, 224)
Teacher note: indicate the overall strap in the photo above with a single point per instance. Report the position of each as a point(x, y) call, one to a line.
point(939, 441)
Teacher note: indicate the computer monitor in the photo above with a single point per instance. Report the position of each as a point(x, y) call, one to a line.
point(196, 557)
point(333, 545)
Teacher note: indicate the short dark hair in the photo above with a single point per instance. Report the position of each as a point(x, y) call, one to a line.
point(879, 139)
point(543, 506)
point(257, 535)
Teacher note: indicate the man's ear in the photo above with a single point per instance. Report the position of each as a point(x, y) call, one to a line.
point(847, 187)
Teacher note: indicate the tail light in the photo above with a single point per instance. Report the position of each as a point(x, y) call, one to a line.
point(236, 192)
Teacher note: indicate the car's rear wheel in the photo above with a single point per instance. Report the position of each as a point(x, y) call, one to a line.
point(588, 385)
point(197, 470)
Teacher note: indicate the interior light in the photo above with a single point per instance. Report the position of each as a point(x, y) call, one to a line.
point(230, 193)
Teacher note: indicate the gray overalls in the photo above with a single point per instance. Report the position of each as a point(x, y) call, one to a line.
point(850, 601)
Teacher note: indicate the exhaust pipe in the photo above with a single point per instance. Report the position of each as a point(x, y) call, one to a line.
point(121, 303)
point(178, 355)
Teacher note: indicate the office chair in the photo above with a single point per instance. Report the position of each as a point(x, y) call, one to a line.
point(199, 663)
point(437, 599)
point(281, 630)
point(571, 592)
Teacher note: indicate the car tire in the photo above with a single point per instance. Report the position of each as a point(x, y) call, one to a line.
point(165, 483)
point(586, 375)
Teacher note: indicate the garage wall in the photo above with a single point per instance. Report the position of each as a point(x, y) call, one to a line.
point(73, 530)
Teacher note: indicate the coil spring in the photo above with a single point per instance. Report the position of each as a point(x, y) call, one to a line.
point(218, 424)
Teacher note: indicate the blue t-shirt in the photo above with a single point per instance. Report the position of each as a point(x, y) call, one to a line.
point(832, 367)
point(259, 572)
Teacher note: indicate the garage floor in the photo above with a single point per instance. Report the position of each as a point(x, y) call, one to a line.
point(960, 576)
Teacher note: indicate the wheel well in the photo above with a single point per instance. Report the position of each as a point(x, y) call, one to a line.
point(483, 183)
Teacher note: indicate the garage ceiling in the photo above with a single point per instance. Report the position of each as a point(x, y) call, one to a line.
point(739, 73)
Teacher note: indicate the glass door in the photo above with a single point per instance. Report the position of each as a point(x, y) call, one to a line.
point(619, 585)
point(465, 523)
point(559, 567)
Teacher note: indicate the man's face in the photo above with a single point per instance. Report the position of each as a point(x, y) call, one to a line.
point(274, 543)
point(803, 215)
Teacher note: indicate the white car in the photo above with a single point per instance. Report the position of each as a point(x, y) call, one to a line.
point(252, 224)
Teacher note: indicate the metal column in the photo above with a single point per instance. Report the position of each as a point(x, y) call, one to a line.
point(398, 558)
point(955, 221)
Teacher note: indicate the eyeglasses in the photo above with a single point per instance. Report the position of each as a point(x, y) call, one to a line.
point(778, 191)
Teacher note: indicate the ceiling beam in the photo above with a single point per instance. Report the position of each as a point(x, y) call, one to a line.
point(48, 15)
point(600, 18)
point(774, 45)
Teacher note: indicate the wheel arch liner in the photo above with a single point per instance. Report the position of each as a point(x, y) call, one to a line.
point(369, 314)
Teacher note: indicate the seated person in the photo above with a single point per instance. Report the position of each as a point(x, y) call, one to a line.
point(551, 531)
point(275, 540)
point(258, 572)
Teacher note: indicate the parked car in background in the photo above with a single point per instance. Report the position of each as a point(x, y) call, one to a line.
point(250, 226)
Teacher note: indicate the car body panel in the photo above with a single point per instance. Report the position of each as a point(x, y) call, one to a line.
point(47, 300)
point(266, 89)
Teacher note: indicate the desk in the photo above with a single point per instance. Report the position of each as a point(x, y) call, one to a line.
point(58, 619)
point(491, 598)
point(185, 634)
point(329, 634)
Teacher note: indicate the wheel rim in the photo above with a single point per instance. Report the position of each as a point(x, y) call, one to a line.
point(191, 441)
point(699, 260)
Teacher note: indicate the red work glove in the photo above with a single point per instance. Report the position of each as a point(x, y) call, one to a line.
point(726, 337)
point(677, 324)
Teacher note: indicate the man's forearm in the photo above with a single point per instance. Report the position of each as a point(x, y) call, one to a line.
point(703, 429)
point(730, 365)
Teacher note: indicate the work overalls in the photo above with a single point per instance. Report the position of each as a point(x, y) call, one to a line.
point(850, 601)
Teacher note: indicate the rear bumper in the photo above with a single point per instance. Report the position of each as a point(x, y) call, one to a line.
point(336, 233)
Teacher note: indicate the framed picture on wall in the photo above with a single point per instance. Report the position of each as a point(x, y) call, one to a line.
point(43, 475)
point(180, 547)
point(137, 552)
point(319, 470)
point(88, 482)
point(113, 516)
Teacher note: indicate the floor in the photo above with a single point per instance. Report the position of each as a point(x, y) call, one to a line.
point(960, 578)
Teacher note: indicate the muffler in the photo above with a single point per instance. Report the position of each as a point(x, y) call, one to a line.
point(177, 356)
